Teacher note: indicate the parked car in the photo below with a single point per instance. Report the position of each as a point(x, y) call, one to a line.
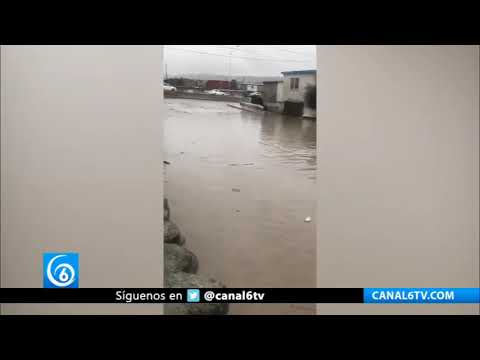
point(216, 92)
point(167, 87)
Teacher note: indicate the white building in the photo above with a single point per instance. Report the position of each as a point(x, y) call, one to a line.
point(295, 84)
point(249, 87)
point(273, 95)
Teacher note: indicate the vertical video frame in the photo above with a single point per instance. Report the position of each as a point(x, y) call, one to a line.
point(240, 172)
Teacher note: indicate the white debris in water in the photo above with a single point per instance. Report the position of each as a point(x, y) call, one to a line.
point(308, 219)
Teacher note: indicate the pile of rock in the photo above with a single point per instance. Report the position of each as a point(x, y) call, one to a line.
point(180, 270)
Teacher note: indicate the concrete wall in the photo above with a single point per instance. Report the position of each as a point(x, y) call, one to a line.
point(280, 92)
point(273, 96)
point(275, 107)
point(197, 96)
point(398, 171)
point(270, 92)
point(81, 168)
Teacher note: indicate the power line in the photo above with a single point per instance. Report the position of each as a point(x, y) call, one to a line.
point(289, 51)
point(266, 46)
point(225, 47)
point(247, 50)
point(285, 50)
point(239, 57)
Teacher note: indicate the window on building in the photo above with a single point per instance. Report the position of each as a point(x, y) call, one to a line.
point(294, 82)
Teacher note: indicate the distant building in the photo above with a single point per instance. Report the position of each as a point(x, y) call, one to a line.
point(295, 84)
point(249, 87)
point(217, 84)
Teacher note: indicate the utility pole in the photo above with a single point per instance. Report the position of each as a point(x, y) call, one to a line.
point(230, 66)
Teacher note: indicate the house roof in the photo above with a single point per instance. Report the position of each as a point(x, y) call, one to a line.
point(273, 81)
point(299, 72)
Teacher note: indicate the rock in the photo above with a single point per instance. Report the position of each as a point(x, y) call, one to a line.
point(171, 232)
point(182, 240)
point(178, 259)
point(166, 210)
point(184, 280)
point(180, 267)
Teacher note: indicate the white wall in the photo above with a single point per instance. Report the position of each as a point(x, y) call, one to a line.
point(398, 145)
point(297, 94)
point(280, 92)
point(81, 137)
point(273, 96)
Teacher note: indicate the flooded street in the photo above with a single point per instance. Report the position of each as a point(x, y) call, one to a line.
point(240, 186)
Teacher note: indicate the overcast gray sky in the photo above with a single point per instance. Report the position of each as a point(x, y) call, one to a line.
point(259, 60)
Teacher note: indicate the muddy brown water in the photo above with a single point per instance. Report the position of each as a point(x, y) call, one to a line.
point(240, 186)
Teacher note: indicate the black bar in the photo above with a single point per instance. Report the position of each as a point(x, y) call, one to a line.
point(153, 295)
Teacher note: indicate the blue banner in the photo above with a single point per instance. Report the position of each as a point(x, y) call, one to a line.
point(421, 295)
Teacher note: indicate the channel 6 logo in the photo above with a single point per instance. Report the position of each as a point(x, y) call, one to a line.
point(60, 270)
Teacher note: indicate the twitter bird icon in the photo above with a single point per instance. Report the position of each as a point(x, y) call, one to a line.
point(193, 295)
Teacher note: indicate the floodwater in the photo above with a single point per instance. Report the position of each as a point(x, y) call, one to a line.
point(240, 185)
